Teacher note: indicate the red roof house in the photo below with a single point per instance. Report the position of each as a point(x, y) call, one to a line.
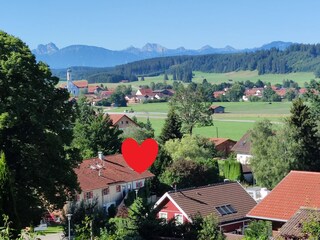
point(223, 145)
point(297, 189)
point(228, 201)
point(122, 120)
point(108, 179)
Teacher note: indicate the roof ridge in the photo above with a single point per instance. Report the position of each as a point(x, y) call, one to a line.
point(305, 172)
point(199, 187)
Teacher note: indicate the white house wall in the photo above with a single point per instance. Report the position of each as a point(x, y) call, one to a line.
point(244, 158)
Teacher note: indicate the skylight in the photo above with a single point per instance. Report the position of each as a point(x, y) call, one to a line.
point(226, 209)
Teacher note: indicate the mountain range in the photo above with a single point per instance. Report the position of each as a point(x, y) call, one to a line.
point(91, 56)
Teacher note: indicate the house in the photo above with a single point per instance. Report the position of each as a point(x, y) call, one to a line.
point(163, 92)
point(107, 179)
point(76, 87)
point(242, 149)
point(94, 89)
point(105, 94)
point(298, 189)
point(217, 94)
point(131, 99)
point(144, 92)
point(228, 201)
point(293, 228)
point(252, 92)
point(223, 145)
point(217, 109)
point(122, 121)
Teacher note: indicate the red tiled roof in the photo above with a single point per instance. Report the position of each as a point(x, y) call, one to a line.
point(297, 189)
point(218, 93)
point(115, 118)
point(218, 141)
point(253, 92)
point(106, 93)
point(281, 92)
point(81, 83)
point(115, 170)
point(91, 89)
point(146, 91)
point(204, 200)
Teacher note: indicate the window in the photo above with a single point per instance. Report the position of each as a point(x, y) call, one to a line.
point(105, 191)
point(178, 218)
point(118, 188)
point(139, 184)
point(225, 210)
point(127, 122)
point(88, 195)
point(121, 122)
point(163, 215)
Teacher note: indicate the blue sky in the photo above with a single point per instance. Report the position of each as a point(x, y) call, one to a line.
point(118, 24)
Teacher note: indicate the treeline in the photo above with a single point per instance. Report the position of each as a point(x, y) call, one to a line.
point(296, 58)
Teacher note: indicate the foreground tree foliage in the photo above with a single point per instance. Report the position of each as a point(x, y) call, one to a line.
point(293, 146)
point(258, 230)
point(94, 131)
point(171, 128)
point(36, 135)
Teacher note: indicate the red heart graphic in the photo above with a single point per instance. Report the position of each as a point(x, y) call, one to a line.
point(139, 158)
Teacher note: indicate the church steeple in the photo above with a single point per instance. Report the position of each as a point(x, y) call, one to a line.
point(69, 75)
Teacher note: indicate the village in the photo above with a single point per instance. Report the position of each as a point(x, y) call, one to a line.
point(108, 183)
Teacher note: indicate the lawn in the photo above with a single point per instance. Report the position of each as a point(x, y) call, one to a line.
point(239, 117)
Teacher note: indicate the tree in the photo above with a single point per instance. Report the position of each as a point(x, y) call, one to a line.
point(270, 161)
point(171, 128)
point(268, 93)
point(236, 92)
point(190, 148)
point(258, 230)
point(189, 173)
point(191, 108)
point(165, 77)
point(303, 132)
point(210, 230)
point(118, 98)
point(94, 131)
point(37, 134)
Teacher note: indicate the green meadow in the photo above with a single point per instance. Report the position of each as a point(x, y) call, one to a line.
point(299, 77)
point(238, 118)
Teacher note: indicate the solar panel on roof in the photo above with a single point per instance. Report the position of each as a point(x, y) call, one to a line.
point(226, 209)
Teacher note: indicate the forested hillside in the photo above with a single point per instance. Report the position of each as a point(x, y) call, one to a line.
point(296, 58)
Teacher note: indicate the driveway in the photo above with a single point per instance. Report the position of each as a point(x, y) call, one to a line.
point(54, 236)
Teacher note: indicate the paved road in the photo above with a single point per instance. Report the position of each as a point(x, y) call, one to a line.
point(55, 236)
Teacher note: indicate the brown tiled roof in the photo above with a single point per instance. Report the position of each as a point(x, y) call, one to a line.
point(293, 228)
point(106, 93)
point(218, 141)
point(115, 170)
point(243, 146)
point(204, 200)
point(297, 189)
point(253, 92)
point(115, 118)
point(81, 83)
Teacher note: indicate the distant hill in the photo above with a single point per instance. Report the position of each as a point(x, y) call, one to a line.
point(295, 58)
point(91, 56)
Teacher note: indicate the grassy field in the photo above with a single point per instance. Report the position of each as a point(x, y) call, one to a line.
point(239, 117)
point(299, 77)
